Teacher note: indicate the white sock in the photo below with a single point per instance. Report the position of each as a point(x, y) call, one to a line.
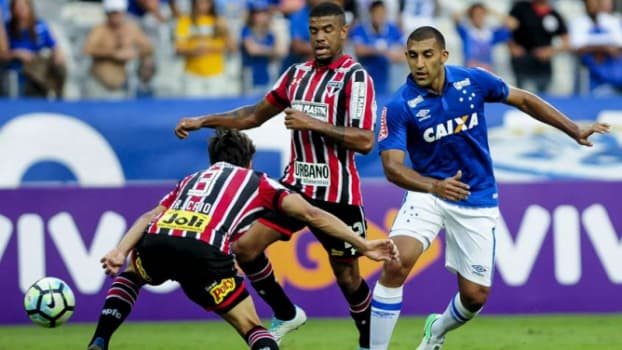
point(454, 316)
point(385, 310)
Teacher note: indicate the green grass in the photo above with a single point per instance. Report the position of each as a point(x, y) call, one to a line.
point(566, 332)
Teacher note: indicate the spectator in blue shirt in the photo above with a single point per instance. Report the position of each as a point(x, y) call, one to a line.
point(33, 53)
point(377, 44)
point(479, 37)
point(300, 46)
point(258, 48)
point(140, 8)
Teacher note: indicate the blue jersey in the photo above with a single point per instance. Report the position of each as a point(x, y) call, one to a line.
point(446, 133)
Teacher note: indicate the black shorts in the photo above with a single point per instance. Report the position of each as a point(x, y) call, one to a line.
point(352, 215)
point(207, 275)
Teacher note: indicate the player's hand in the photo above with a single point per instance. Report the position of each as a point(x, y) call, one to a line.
point(112, 262)
point(297, 120)
point(184, 126)
point(584, 134)
point(452, 188)
point(381, 250)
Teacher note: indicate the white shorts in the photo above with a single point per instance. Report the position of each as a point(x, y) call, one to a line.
point(469, 233)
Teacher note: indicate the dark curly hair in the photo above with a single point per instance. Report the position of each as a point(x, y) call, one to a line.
point(231, 146)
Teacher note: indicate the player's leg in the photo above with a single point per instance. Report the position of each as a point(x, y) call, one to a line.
point(470, 246)
point(249, 249)
point(229, 298)
point(415, 227)
point(243, 317)
point(119, 302)
point(123, 292)
point(344, 262)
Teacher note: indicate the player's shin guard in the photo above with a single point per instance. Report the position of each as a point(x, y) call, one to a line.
point(455, 315)
point(259, 272)
point(259, 338)
point(119, 302)
point(360, 309)
point(385, 311)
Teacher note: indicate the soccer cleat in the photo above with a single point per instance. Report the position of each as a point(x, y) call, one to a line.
point(430, 342)
point(279, 328)
point(98, 344)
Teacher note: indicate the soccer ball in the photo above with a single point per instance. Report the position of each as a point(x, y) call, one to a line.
point(49, 302)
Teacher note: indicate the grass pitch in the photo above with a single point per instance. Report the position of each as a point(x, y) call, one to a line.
point(566, 332)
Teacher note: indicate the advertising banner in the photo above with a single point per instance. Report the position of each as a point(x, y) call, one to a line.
point(558, 250)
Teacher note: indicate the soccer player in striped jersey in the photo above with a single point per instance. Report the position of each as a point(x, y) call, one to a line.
point(329, 104)
point(187, 238)
point(437, 118)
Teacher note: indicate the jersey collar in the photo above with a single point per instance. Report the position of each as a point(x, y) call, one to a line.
point(449, 79)
point(335, 64)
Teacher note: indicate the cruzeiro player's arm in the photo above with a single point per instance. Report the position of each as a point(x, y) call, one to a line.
point(114, 259)
point(245, 117)
point(296, 206)
point(546, 113)
point(405, 177)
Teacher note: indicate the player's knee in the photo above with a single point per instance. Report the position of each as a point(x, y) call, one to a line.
point(395, 272)
point(347, 279)
point(475, 298)
point(245, 252)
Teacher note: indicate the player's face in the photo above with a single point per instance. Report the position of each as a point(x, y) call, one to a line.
point(328, 34)
point(426, 61)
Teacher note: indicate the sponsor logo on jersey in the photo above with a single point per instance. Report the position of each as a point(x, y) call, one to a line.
point(415, 101)
point(462, 83)
point(314, 109)
point(383, 133)
point(449, 127)
point(312, 174)
point(423, 114)
point(358, 99)
point(220, 291)
point(184, 220)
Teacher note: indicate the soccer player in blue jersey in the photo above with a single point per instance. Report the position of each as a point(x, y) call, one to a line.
point(437, 118)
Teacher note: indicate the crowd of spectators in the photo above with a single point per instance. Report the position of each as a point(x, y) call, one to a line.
point(114, 49)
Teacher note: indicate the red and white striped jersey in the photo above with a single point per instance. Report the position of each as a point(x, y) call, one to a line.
point(341, 94)
point(215, 204)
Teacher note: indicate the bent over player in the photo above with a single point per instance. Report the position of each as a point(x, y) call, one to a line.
point(437, 117)
point(187, 238)
point(330, 107)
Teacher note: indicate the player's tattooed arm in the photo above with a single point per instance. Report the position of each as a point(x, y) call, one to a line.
point(357, 139)
point(245, 117)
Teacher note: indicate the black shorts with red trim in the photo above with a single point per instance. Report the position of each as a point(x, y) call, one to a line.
point(207, 275)
point(352, 215)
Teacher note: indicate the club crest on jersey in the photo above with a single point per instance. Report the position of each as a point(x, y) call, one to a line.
point(184, 220)
point(415, 101)
point(450, 127)
point(314, 109)
point(333, 87)
point(313, 174)
point(462, 83)
point(222, 289)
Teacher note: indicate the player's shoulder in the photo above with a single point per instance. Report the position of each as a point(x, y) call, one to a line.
point(471, 75)
point(403, 97)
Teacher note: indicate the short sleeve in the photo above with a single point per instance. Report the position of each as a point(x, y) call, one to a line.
point(278, 96)
point(495, 89)
point(168, 199)
point(246, 32)
point(500, 35)
point(47, 38)
point(271, 193)
point(393, 127)
point(357, 35)
point(182, 30)
point(361, 100)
